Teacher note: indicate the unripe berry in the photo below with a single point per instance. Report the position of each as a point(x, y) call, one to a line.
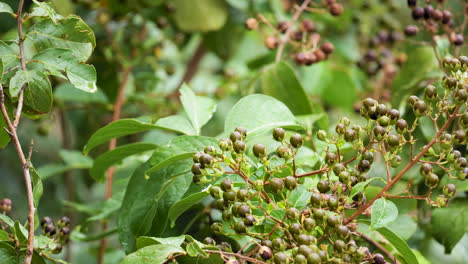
point(239, 227)
point(251, 23)
point(383, 121)
point(276, 185)
point(322, 135)
point(300, 259)
point(278, 134)
point(432, 180)
point(394, 140)
point(283, 152)
point(210, 150)
point(449, 83)
point(209, 241)
point(290, 182)
point(239, 146)
point(265, 252)
point(395, 161)
point(197, 157)
point(196, 169)
point(242, 195)
point(401, 126)
point(420, 108)
point(215, 192)
point(259, 150)
point(323, 186)
point(229, 196)
point(278, 244)
point(339, 245)
point(379, 132)
point(242, 131)
point(430, 93)
point(281, 258)
point(331, 158)
point(350, 135)
point(235, 136)
point(296, 140)
point(449, 190)
point(224, 144)
point(314, 258)
point(309, 224)
point(206, 160)
point(226, 185)
point(340, 129)
point(364, 165)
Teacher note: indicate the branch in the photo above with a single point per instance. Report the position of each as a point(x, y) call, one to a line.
point(19, 20)
point(286, 34)
point(251, 260)
point(26, 174)
point(406, 168)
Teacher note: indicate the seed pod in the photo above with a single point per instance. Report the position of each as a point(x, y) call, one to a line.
point(242, 131)
point(420, 108)
point(430, 93)
point(379, 132)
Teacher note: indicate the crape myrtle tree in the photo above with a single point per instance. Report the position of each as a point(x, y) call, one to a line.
point(233, 131)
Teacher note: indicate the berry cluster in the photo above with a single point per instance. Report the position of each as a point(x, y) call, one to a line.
point(60, 233)
point(254, 187)
point(302, 36)
point(5, 205)
point(434, 19)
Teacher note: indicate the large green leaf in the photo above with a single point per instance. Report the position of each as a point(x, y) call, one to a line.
point(183, 205)
point(383, 213)
point(106, 160)
point(147, 201)
point(199, 109)
point(67, 92)
point(259, 113)
point(145, 241)
point(182, 147)
point(119, 128)
point(45, 10)
point(59, 61)
point(156, 254)
point(448, 225)
point(68, 33)
point(38, 90)
point(5, 8)
point(280, 81)
point(200, 15)
point(8, 254)
point(177, 123)
point(4, 137)
point(38, 189)
point(400, 245)
point(9, 55)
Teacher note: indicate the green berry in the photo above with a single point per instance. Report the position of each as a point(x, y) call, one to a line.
point(242, 131)
point(196, 169)
point(323, 186)
point(322, 135)
point(276, 185)
point(290, 182)
point(309, 224)
point(259, 150)
point(331, 158)
point(296, 140)
point(278, 134)
point(292, 213)
point(226, 184)
point(401, 126)
point(235, 136)
point(215, 192)
point(314, 258)
point(224, 144)
point(449, 190)
point(239, 146)
point(430, 93)
point(283, 152)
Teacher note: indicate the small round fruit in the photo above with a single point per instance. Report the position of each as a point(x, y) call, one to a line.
point(265, 252)
point(278, 134)
point(296, 140)
point(259, 150)
point(281, 258)
point(323, 186)
point(276, 185)
point(314, 258)
point(290, 182)
point(239, 146)
point(226, 185)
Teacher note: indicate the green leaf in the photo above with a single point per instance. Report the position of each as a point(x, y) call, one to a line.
point(1, 71)
point(449, 224)
point(21, 233)
point(179, 148)
point(361, 186)
point(177, 123)
point(76, 159)
point(399, 244)
point(280, 81)
point(8, 254)
point(45, 10)
point(59, 61)
point(77, 235)
point(200, 15)
point(199, 109)
point(38, 92)
point(4, 137)
point(68, 33)
point(38, 189)
point(145, 241)
point(119, 128)
point(195, 248)
point(299, 197)
point(183, 205)
point(148, 200)
point(5, 8)
point(4, 236)
point(68, 93)
point(43, 242)
point(106, 160)
point(383, 213)
point(7, 220)
point(259, 113)
point(9, 54)
point(404, 226)
point(156, 254)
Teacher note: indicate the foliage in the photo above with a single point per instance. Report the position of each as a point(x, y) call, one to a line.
point(233, 131)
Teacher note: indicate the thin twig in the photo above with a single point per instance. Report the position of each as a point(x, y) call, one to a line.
point(19, 20)
point(405, 169)
point(27, 177)
point(240, 256)
point(286, 34)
